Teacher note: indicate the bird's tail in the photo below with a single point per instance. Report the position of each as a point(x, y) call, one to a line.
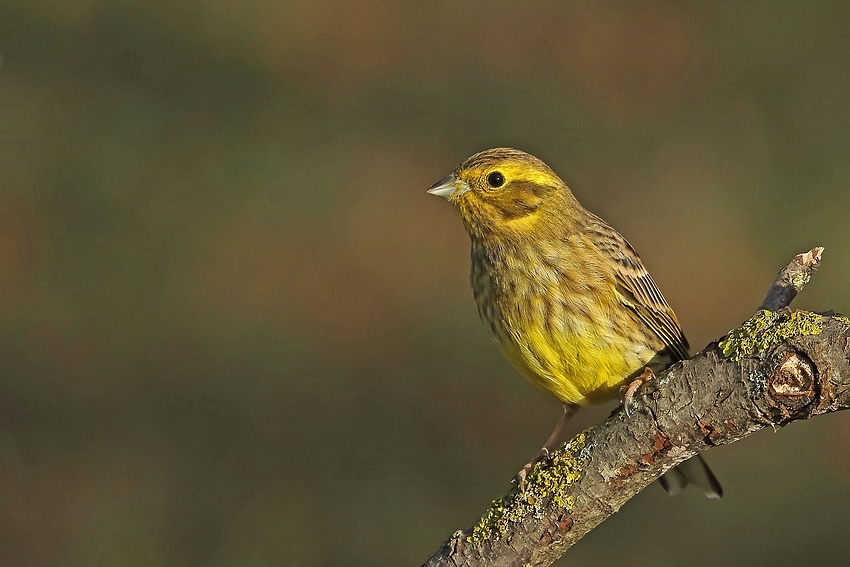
point(694, 471)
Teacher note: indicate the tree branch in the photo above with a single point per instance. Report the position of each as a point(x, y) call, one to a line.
point(776, 368)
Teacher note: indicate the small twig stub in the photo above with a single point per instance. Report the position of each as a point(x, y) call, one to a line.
point(792, 279)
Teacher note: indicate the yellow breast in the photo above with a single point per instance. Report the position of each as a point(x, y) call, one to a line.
point(579, 344)
point(579, 369)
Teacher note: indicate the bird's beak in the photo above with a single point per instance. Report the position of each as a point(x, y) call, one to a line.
point(449, 186)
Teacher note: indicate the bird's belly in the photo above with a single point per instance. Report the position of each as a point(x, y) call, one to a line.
point(576, 368)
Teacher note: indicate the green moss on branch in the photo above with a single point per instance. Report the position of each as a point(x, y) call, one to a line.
point(549, 480)
point(768, 328)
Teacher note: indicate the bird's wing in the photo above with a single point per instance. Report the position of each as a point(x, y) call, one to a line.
point(637, 288)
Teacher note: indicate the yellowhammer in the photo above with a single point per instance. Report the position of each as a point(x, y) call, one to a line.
point(565, 297)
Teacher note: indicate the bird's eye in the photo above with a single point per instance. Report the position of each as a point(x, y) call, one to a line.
point(495, 179)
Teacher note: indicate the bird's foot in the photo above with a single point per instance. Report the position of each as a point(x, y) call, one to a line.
point(550, 445)
point(522, 475)
point(627, 392)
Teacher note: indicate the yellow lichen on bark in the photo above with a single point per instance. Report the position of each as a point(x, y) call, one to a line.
point(766, 329)
point(548, 481)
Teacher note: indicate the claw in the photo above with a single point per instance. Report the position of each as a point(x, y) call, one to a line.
point(627, 393)
point(523, 473)
point(520, 477)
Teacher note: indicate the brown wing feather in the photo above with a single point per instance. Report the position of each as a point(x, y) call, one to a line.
point(635, 284)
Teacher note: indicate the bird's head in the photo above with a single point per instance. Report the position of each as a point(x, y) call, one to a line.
point(505, 191)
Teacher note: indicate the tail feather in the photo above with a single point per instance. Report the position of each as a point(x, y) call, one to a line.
point(694, 471)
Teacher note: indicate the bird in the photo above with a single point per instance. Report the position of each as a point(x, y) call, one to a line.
point(564, 296)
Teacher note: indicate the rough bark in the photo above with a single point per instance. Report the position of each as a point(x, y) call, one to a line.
point(776, 368)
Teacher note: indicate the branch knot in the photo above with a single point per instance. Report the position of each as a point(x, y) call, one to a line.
point(793, 386)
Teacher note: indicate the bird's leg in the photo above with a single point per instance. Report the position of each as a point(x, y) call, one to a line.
point(627, 392)
point(549, 446)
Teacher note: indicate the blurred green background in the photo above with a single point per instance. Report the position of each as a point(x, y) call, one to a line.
point(235, 331)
